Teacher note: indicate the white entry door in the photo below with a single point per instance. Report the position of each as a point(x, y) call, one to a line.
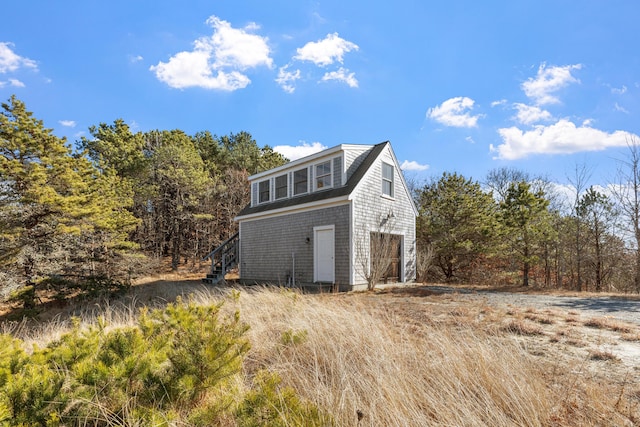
point(323, 254)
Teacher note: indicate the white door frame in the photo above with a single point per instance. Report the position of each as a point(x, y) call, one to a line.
point(330, 275)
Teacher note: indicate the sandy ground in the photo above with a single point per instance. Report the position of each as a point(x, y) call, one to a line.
point(605, 309)
point(618, 307)
point(598, 336)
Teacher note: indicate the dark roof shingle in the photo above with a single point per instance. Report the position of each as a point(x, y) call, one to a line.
point(320, 195)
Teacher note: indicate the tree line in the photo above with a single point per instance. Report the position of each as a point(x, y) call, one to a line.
point(94, 215)
point(516, 229)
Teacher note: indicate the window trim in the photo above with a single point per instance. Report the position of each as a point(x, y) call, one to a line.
point(260, 192)
point(306, 181)
point(329, 174)
point(387, 180)
point(276, 188)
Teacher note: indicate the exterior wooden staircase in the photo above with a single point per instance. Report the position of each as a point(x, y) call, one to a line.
point(223, 258)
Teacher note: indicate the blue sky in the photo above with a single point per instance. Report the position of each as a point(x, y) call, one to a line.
point(462, 86)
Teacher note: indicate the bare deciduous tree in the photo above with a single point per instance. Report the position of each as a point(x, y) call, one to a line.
point(627, 194)
point(579, 181)
point(424, 261)
point(375, 251)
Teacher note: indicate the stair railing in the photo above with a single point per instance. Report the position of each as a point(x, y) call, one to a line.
point(228, 254)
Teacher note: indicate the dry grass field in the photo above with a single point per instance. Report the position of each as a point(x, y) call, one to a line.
point(410, 357)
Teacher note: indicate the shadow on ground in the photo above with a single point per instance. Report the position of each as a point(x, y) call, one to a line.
point(155, 293)
point(603, 304)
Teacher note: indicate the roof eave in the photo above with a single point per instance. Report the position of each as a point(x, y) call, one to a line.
point(294, 208)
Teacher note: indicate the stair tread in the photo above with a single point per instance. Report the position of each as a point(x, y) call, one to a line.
point(224, 258)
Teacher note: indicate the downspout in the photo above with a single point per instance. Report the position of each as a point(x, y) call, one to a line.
point(293, 269)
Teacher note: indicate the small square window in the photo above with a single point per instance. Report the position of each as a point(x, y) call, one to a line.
point(263, 191)
point(387, 179)
point(323, 175)
point(300, 179)
point(281, 186)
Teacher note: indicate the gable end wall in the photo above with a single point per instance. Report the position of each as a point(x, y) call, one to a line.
point(370, 212)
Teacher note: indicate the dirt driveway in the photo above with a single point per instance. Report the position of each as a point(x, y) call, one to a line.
point(618, 308)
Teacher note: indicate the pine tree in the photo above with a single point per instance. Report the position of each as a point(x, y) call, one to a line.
point(457, 220)
point(525, 222)
point(51, 197)
point(599, 215)
point(180, 183)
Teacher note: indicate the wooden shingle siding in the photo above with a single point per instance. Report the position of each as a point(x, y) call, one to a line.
point(354, 157)
point(337, 171)
point(371, 209)
point(354, 206)
point(267, 245)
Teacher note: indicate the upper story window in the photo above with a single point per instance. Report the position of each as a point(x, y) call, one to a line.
point(300, 181)
point(281, 186)
point(263, 191)
point(387, 179)
point(323, 175)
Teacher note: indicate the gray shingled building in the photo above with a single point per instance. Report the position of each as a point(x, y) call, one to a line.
point(319, 219)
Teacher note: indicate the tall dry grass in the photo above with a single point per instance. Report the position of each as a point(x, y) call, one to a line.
point(349, 356)
point(353, 359)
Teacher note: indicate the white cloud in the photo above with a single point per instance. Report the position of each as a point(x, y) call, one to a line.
point(10, 61)
point(529, 114)
point(454, 112)
point(620, 91)
point(135, 58)
point(286, 79)
point(294, 152)
point(499, 102)
point(565, 194)
point(236, 47)
point(68, 123)
point(413, 166)
point(342, 75)
point(469, 140)
point(620, 108)
point(192, 69)
point(548, 81)
point(16, 83)
point(326, 51)
point(217, 62)
point(563, 137)
point(321, 53)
